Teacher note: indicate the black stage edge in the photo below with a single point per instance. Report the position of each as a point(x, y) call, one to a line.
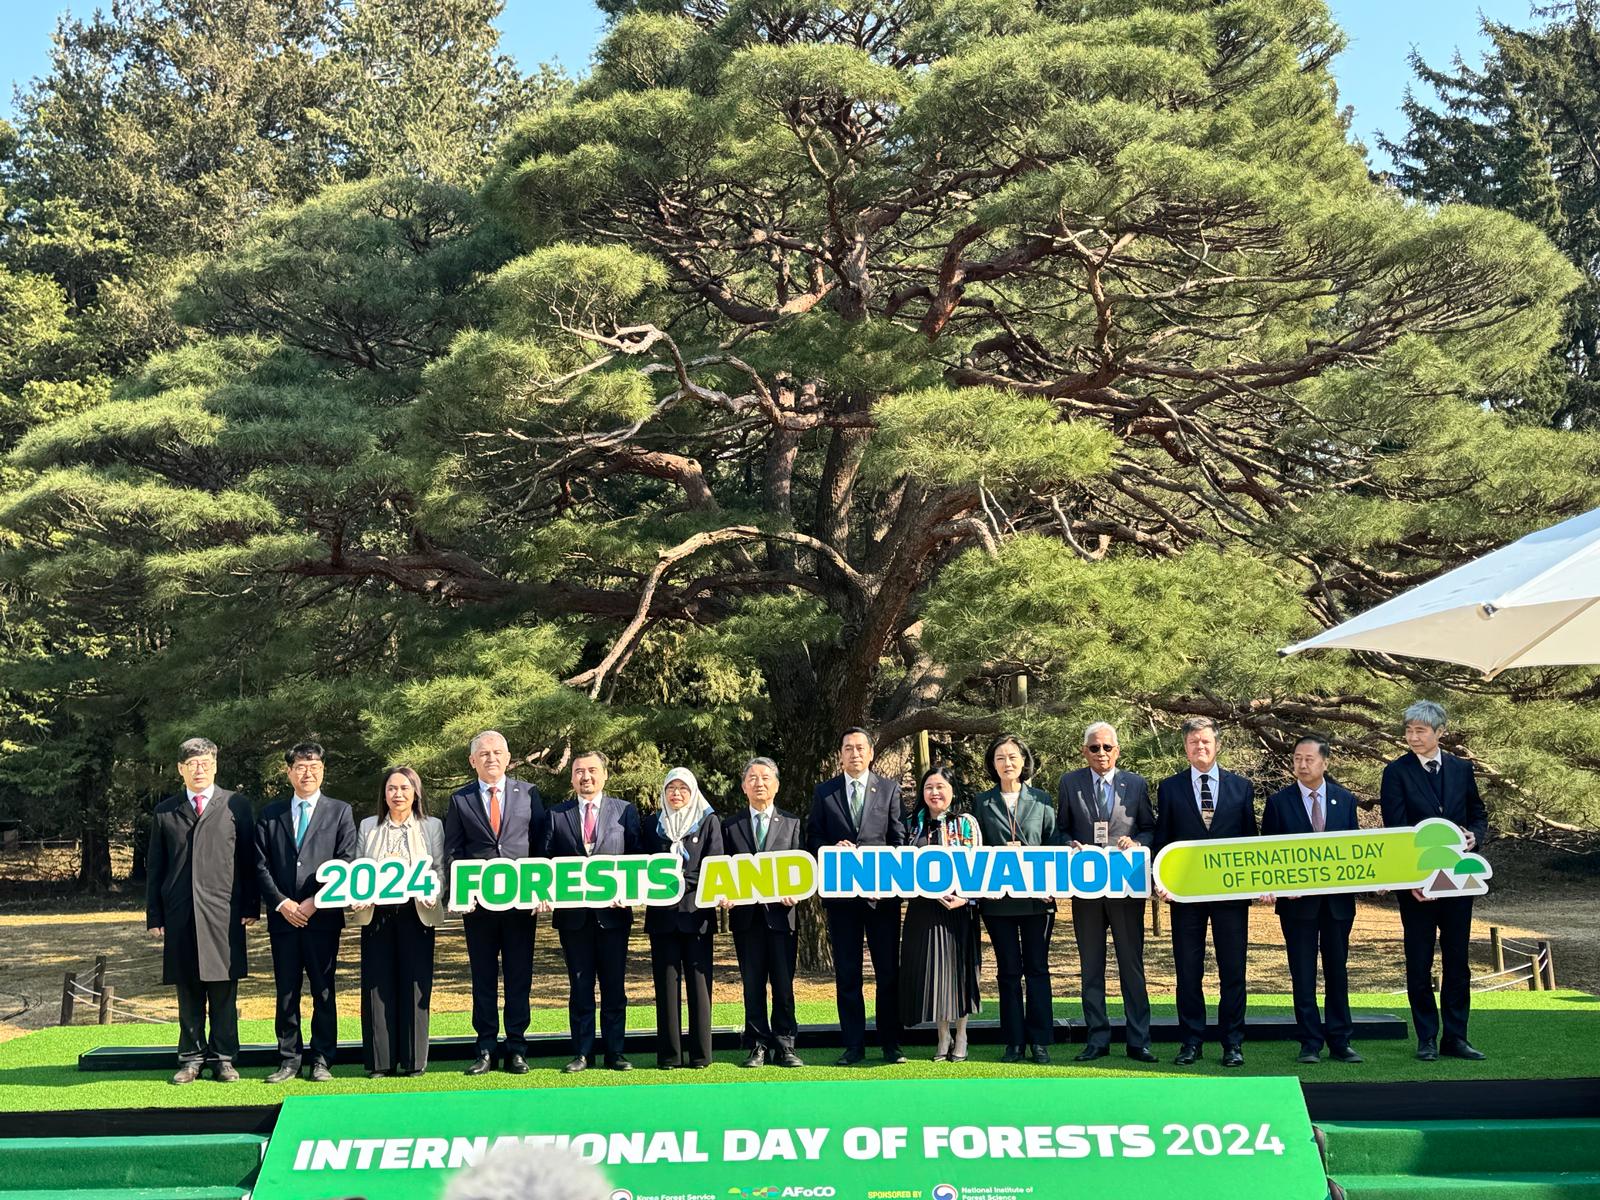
point(1453, 1100)
point(1369, 1027)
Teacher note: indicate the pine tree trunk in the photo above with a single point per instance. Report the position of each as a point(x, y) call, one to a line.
point(94, 831)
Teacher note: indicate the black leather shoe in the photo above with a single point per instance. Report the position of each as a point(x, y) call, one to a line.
point(1428, 1050)
point(788, 1058)
point(225, 1073)
point(1013, 1054)
point(850, 1058)
point(893, 1057)
point(666, 1065)
point(615, 1062)
point(1090, 1053)
point(283, 1074)
point(320, 1073)
point(756, 1058)
point(1142, 1054)
point(1187, 1056)
point(187, 1073)
point(1310, 1056)
point(578, 1064)
point(515, 1064)
point(1344, 1054)
point(1040, 1055)
point(480, 1065)
point(381, 1074)
point(1461, 1048)
point(1232, 1056)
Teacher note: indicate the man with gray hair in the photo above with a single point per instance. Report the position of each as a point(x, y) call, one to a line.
point(201, 896)
point(1099, 805)
point(764, 935)
point(1426, 782)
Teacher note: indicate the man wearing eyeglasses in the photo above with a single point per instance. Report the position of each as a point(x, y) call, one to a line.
point(1098, 805)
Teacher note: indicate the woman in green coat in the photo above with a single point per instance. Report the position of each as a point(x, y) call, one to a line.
point(1014, 814)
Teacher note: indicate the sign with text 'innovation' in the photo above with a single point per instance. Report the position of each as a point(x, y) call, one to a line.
point(1211, 1139)
point(1431, 856)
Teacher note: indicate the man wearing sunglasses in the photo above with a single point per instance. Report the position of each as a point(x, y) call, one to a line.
point(1098, 805)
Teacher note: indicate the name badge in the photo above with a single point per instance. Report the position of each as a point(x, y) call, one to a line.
point(1102, 833)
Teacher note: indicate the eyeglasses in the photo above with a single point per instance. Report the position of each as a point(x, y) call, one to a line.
point(1100, 749)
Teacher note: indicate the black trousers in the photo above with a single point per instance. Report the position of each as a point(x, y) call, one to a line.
point(1230, 935)
point(1306, 939)
point(500, 944)
point(596, 953)
point(195, 1000)
point(767, 958)
point(1124, 920)
point(677, 961)
point(396, 989)
point(301, 956)
point(1022, 953)
point(850, 923)
point(1449, 922)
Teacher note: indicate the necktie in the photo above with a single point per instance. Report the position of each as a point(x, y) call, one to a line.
point(1105, 800)
point(494, 810)
point(300, 824)
point(1208, 806)
point(199, 804)
point(855, 803)
point(1318, 821)
point(588, 823)
point(761, 831)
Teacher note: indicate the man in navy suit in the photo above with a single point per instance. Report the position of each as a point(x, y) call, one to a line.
point(1426, 782)
point(1201, 804)
point(1316, 926)
point(1100, 805)
point(497, 816)
point(764, 935)
point(293, 838)
point(594, 941)
point(859, 808)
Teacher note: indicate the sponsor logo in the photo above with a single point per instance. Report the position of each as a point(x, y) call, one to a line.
point(945, 1191)
point(770, 1193)
point(622, 1194)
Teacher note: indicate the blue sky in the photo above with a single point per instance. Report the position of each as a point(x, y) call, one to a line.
point(1372, 73)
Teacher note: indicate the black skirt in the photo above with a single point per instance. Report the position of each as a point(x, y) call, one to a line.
point(939, 954)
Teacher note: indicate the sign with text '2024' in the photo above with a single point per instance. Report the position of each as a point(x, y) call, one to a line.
point(1212, 1139)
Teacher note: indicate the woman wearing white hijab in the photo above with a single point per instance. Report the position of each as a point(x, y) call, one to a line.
point(680, 936)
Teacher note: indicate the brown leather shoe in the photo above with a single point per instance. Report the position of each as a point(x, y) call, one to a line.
point(187, 1073)
point(224, 1072)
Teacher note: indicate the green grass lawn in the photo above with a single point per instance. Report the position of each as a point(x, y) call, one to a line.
point(1527, 1035)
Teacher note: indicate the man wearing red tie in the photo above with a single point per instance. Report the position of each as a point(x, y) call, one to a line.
point(201, 895)
point(497, 816)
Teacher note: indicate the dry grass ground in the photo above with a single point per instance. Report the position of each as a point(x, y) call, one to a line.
point(1534, 895)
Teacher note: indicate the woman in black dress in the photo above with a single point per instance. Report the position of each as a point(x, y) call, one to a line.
point(940, 943)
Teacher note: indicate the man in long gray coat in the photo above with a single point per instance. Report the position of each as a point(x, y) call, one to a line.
point(202, 895)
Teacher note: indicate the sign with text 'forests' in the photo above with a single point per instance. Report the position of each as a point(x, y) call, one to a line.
point(1431, 856)
point(1211, 1139)
point(505, 883)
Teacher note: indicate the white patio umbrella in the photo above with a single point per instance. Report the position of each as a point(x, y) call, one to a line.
point(1534, 603)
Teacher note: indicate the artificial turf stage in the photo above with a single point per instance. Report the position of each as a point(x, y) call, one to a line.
point(1527, 1035)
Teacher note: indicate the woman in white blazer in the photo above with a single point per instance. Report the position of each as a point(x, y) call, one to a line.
point(397, 939)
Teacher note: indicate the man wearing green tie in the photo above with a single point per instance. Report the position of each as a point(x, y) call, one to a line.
point(293, 838)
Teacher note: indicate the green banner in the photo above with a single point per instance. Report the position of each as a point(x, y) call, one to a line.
point(1431, 857)
point(1203, 1139)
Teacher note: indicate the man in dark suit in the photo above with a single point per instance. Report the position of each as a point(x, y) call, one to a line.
point(1316, 926)
point(1427, 782)
point(1098, 805)
point(497, 816)
point(1200, 804)
point(293, 838)
point(859, 808)
point(200, 898)
point(594, 941)
point(764, 936)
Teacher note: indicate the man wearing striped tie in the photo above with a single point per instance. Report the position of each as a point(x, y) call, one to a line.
point(1200, 804)
point(293, 838)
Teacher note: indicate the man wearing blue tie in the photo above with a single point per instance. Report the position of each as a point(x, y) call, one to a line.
point(1316, 926)
point(293, 838)
point(1200, 804)
point(1426, 782)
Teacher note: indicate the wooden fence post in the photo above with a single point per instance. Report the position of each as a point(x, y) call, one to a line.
point(1536, 975)
point(107, 995)
point(1549, 968)
point(68, 997)
point(1156, 905)
point(1496, 950)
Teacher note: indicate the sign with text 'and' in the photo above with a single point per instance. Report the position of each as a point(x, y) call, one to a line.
point(1212, 1139)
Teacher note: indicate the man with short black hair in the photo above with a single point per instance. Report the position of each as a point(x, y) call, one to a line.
point(200, 897)
point(294, 838)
